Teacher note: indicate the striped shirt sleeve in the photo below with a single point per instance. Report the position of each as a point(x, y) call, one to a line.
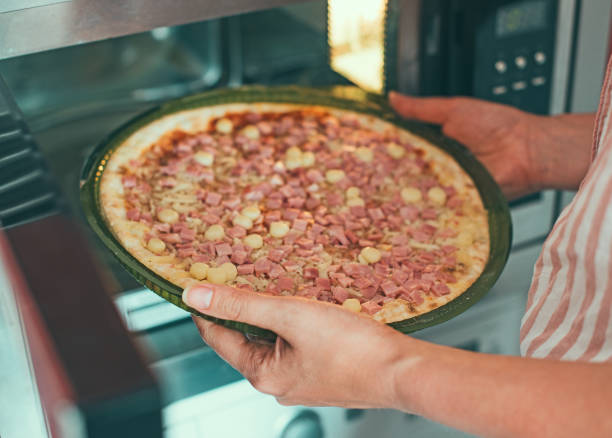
point(570, 299)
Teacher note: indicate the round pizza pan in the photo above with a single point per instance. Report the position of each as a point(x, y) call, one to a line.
point(348, 98)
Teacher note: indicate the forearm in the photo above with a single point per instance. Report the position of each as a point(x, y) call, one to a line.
point(561, 150)
point(505, 396)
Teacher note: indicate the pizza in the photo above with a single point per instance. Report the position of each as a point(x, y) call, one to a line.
point(298, 200)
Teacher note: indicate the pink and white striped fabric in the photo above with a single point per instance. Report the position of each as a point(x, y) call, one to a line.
point(569, 308)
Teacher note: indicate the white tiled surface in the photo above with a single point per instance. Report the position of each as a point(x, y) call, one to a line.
point(533, 219)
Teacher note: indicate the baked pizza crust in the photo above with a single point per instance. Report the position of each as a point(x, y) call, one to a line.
point(472, 240)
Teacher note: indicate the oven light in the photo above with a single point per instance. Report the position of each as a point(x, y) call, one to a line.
point(356, 41)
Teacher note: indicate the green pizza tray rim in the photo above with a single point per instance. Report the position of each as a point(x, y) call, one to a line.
point(347, 98)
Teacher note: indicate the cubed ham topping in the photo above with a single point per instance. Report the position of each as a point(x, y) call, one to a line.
point(334, 214)
point(213, 198)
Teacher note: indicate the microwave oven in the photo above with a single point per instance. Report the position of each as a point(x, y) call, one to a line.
point(85, 350)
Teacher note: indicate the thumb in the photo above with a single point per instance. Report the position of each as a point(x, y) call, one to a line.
point(427, 109)
point(226, 302)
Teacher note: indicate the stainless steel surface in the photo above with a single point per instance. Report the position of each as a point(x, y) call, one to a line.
point(591, 54)
point(563, 55)
point(59, 24)
point(590, 63)
point(18, 392)
point(16, 5)
point(408, 45)
point(148, 67)
point(532, 218)
point(592, 39)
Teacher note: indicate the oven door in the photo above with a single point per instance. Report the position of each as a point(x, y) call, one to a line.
point(82, 365)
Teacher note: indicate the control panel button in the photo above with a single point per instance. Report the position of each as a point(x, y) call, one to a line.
point(519, 85)
point(499, 90)
point(521, 62)
point(501, 66)
point(539, 58)
point(538, 81)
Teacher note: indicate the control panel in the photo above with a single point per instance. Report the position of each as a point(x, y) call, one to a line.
point(498, 50)
point(514, 50)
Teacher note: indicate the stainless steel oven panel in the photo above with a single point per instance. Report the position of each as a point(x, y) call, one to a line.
point(563, 55)
point(70, 22)
point(592, 48)
point(19, 396)
point(533, 218)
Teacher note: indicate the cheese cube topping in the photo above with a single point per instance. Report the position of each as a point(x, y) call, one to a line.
point(437, 195)
point(334, 175)
point(254, 241)
point(411, 195)
point(252, 212)
point(231, 272)
point(364, 154)
point(243, 221)
point(224, 126)
point(214, 232)
point(279, 229)
point(251, 132)
point(199, 270)
point(352, 192)
point(204, 158)
point(355, 202)
point(308, 159)
point(370, 255)
point(352, 304)
point(293, 158)
point(156, 246)
point(216, 275)
point(395, 150)
point(168, 216)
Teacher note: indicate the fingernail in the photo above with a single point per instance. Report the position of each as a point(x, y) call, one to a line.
point(198, 296)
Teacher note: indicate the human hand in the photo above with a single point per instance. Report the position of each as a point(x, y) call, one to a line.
point(524, 152)
point(327, 356)
point(324, 355)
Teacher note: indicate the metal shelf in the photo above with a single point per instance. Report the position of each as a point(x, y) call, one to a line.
point(71, 22)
